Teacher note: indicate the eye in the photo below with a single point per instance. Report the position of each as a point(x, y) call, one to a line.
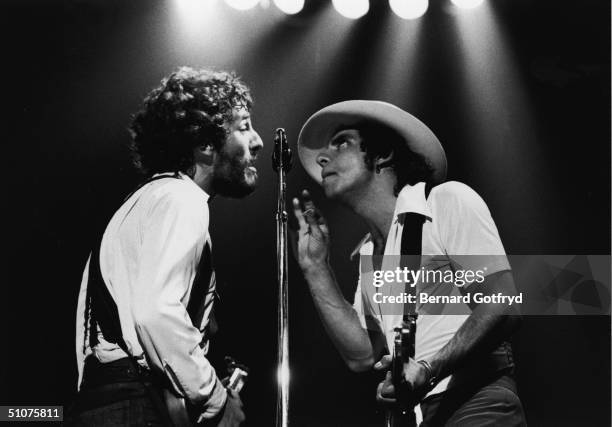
point(340, 142)
point(246, 126)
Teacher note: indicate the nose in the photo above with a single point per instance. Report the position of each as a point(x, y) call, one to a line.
point(256, 143)
point(322, 159)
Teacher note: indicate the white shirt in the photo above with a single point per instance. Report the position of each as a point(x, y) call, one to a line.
point(458, 222)
point(148, 258)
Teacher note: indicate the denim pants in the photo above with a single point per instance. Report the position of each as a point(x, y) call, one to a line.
point(129, 411)
point(114, 394)
point(495, 403)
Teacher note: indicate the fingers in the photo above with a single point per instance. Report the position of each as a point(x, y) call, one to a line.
point(309, 217)
point(299, 215)
point(310, 213)
point(317, 227)
point(293, 241)
point(234, 396)
point(387, 390)
point(385, 393)
point(383, 363)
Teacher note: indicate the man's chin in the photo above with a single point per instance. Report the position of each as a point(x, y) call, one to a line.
point(242, 190)
point(330, 191)
point(235, 179)
point(236, 189)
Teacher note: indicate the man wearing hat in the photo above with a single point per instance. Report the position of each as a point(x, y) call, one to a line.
point(389, 168)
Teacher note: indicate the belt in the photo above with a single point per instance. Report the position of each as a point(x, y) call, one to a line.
point(106, 383)
point(97, 374)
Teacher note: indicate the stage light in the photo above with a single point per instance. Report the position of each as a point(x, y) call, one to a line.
point(290, 7)
point(409, 9)
point(467, 4)
point(242, 4)
point(195, 15)
point(352, 9)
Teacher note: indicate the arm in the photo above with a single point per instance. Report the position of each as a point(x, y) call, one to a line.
point(173, 235)
point(486, 327)
point(339, 318)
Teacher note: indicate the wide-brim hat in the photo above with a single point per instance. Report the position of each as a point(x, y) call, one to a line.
point(321, 126)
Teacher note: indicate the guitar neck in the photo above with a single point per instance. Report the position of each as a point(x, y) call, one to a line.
point(403, 351)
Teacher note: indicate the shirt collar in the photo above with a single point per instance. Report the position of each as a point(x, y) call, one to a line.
point(186, 178)
point(191, 181)
point(412, 199)
point(367, 239)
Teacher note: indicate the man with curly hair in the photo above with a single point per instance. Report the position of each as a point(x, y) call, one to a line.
point(145, 311)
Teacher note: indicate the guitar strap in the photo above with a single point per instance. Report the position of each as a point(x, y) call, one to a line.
point(410, 258)
point(411, 245)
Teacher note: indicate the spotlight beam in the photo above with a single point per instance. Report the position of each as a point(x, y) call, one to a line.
point(352, 9)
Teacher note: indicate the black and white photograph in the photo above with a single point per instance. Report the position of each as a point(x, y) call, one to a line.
point(307, 213)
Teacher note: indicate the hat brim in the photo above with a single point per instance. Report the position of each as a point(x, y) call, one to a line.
point(321, 126)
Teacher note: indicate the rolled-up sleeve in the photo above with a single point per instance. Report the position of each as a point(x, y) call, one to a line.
point(173, 235)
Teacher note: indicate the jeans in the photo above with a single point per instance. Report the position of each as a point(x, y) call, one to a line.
point(114, 394)
point(492, 404)
point(132, 411)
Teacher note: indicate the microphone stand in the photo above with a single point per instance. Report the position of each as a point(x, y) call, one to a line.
point(281, 163)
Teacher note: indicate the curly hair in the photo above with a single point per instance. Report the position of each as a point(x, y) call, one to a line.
point(378, 140)
point(188, 109)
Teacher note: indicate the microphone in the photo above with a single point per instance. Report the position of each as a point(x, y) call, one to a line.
point(281, 156)
point(281, 163)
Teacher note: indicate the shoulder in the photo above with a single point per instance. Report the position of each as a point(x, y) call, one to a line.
point(454, 191)
point(177, 197)
point(457, 196)
point(178, 191)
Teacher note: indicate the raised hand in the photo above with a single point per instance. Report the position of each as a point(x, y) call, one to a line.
point(313, 234)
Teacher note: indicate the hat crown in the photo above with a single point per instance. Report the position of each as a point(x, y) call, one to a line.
point(320, 127)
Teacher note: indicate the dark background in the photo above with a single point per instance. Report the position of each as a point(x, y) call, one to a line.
point(527, 125)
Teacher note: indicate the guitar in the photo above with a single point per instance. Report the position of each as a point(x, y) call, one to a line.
point(183, 414)
point(403, 349)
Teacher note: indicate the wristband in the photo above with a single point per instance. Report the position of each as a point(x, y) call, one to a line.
point(432, 380)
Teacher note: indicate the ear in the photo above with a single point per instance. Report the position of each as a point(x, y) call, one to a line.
point(384, 162)
point(204, 154)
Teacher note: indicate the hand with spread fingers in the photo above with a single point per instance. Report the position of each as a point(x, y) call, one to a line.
point(313, 234)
